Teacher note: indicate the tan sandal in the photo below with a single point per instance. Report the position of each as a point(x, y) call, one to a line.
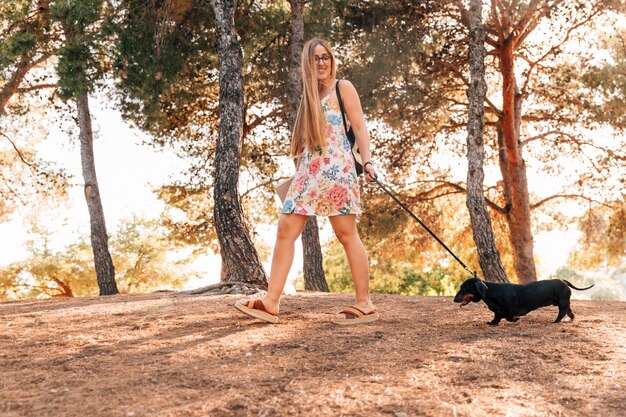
point(256, 309)
point(354, 315)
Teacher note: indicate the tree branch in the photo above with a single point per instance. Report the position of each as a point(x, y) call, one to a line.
point(40, 288)
point(505, 22)
point(573, 138)
point(496, 19)
point(11, 87)
point(40, 9)
point(260, 185)
point(527, 24)
point(19, 153)
point(249, 127)
point(533, 65)
point(543, 135)
point(456, 189)
point(568, 196)
point(260, 51)
point(36, 87)
point(460, 75)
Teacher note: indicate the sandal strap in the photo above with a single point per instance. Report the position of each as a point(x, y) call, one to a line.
point(354, 311)
point(257, 305)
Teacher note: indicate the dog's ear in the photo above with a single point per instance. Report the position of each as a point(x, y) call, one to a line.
point(481, 288)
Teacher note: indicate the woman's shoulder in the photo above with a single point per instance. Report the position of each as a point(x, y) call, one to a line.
point(345, 85)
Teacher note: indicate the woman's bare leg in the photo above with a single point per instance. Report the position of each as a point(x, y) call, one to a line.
point(348, 235)
point(289, 228)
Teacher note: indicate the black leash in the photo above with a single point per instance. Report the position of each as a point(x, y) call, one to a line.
point(422, 224)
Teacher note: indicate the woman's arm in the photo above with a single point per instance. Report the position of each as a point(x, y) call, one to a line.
point(354, 113)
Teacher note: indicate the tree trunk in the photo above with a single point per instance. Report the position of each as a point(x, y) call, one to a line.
point(314, 278)
point(105, 272)
point(514, 172)
point(488, 255)
point(241, 259)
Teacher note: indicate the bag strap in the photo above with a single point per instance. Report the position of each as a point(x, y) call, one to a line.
point(343, 116)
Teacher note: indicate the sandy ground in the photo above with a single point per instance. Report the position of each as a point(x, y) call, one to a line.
point(174, 355)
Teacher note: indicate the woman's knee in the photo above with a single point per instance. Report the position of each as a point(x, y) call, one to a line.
point(345, 229)
point(346, 235)
point(288, 229)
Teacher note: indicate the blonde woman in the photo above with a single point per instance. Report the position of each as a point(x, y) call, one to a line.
point(325, 184)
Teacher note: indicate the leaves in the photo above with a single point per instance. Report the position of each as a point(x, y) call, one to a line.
point(145, 258)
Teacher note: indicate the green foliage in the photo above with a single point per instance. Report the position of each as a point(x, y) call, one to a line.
point(434, 282)
point(14, 47)
point(190, 213)
point(78, 66)
point(393, 276)
point(168, 85)
point(166, 59)
point(48, 273)
point(18, 24)
point(144, 257)
point(390, 51)
point(77, 15)
point(607, 78)
point(603, 240)
point(404, 258)
point(26, 34)
point(77, 70)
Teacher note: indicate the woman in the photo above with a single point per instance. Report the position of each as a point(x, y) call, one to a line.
point(325, 184)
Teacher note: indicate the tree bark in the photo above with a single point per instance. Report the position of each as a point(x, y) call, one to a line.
point(241, 259)
point(514, 171)
point(314, 277)
point(482, 230)
point(105, 272)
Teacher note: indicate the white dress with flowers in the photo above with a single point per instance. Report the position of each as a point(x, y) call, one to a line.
point(326, 184)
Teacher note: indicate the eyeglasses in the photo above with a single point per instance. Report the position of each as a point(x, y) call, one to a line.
point(324, 58)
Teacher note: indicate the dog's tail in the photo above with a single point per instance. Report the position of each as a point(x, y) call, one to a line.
point(569, 284)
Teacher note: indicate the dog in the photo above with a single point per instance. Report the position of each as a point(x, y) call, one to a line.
point(510, 301)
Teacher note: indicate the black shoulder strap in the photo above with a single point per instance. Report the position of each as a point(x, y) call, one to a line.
point(343, 116)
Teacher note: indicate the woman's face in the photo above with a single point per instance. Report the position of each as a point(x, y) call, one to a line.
point(323, 63)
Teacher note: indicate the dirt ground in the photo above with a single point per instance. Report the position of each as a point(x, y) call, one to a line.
point(174, 355)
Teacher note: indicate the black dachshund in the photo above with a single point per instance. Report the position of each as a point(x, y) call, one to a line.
point(510, 301)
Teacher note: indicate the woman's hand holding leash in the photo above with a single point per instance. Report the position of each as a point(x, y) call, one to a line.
point(370, 171)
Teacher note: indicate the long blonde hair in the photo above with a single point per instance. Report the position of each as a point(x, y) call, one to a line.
point(310, 119)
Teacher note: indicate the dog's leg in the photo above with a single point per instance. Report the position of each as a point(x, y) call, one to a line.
point(495, 320)
point(514, 318)
point(569, 313)
point(562, 312)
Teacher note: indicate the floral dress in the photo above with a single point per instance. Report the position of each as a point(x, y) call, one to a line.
point(326, 183)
